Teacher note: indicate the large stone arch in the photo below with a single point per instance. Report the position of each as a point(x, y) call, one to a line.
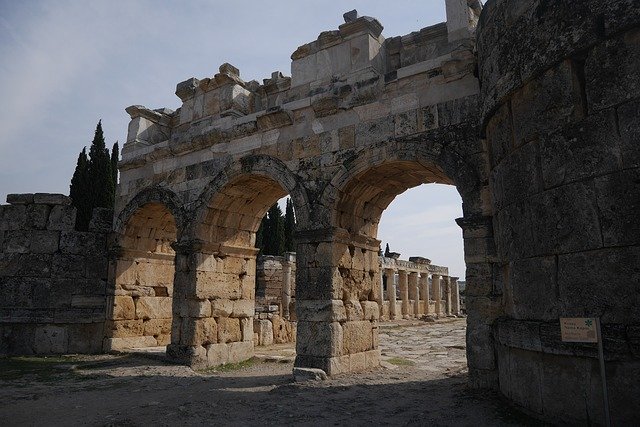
point(344, 253)
point(213, 314)
point(271, 169)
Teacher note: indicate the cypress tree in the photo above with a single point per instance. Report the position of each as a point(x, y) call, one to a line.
point(101, 178)
point(260, 235)
point(274, 231)
point(387, 251)
point(115, 156)
point(289, 227)
point(79, 191)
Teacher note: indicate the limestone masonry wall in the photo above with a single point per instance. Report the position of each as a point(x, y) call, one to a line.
point(560, 84)
point(53, 279)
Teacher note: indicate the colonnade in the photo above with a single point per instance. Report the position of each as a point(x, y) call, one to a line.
point(420, 293)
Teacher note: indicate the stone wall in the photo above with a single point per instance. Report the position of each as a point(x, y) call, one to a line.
point(560, 85)
point(269, 279)
point(53, 279)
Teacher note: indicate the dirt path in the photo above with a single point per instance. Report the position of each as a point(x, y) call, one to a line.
point(422, 382)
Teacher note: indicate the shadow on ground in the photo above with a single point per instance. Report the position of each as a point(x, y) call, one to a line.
point(132, 390)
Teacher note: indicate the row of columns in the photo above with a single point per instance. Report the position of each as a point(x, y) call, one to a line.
point(414, 287)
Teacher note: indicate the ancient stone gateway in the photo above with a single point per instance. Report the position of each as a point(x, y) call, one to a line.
point(537, 131)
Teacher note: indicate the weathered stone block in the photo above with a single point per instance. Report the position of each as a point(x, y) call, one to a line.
point(546, 103)
point(221, 307)
point(51, 339)
point(124, 328)
point(533, 289)
point(564, 382)
point(82, 243)
point(357, 336)
point(13, 217)
point(322, 339)
point(371, 310)
point(20, 199)
point(323, 310)
point(197, 308)
point(618, 199)
point(571, 225)
point(51, 199)
point(37, 216)
point(611, 71)
point(62, 218)
point(229, 330)
point(246, 327)
point(121, 344)
point(153, 307)
point(123, 308)
point(588, 148)
point(588, 281)
point(17, 241)
point(499, 132)
point(629, 126)
point(199, 331)
point(157, 327)
point(264, 330)
point(240, 351)
point(85, 338)
point(243, 308)
point(44, 242)
point(480, 353)
point(217, 354)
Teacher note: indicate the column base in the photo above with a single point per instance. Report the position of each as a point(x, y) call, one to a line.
point(198, 357)
point(355, 362)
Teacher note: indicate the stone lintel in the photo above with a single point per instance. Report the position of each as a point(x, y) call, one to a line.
point(20, 199)
point(161, 117)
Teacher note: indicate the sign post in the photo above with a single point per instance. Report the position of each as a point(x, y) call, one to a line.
point(587, 329)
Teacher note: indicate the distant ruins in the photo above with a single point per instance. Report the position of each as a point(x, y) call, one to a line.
point(531, 109)
point(407, 292)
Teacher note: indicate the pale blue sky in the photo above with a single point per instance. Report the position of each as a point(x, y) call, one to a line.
point(68, 63)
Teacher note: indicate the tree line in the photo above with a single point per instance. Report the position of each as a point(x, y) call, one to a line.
point(275, 236)
point(94, 180)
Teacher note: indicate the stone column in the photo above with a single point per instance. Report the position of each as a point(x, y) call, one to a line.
point(435, 285)
point(381, 299)
point(285, 297)
point(404, 292)
point(182, 349)
point(424, 291)
point(391, 292)
point(413, 293)
point(455, 296)
point(447, 295)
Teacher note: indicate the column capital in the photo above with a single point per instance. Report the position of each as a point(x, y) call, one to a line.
point(187, 247)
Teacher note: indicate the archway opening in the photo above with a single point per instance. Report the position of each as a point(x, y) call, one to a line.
point(220, 312)
point(415, 287)
point(141, 313)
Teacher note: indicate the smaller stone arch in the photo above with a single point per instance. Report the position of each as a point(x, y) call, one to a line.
point(143, 271)
point(158, 195)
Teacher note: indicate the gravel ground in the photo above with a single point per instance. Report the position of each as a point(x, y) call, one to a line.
point(422, 381)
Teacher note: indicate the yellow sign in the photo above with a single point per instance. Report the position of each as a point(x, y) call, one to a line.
point(578, 329)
